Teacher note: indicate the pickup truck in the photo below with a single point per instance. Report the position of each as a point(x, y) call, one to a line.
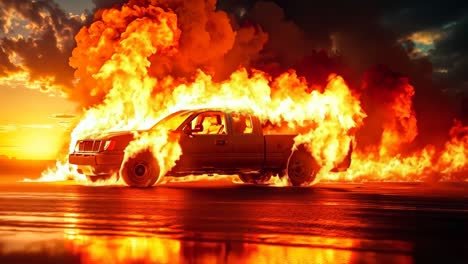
point(212, 141)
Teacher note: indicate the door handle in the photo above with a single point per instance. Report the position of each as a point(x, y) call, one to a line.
point(220, 142)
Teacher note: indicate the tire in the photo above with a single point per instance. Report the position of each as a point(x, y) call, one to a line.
point(141, 171)
point(96, 178)
point(302, 167)
point(255, 178)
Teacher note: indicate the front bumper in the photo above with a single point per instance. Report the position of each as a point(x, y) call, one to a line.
point(96, 163)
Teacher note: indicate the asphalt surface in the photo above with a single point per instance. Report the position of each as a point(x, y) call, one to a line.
point(223, 222)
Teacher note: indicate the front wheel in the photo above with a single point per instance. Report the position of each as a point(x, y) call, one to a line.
point(141, 171)
point(302, 167)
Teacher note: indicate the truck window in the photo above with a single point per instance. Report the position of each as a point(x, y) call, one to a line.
point(173, 121)
point(209, 124)
point(242, 124)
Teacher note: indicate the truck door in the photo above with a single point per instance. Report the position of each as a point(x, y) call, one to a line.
point(247, 142)
point(208, 146)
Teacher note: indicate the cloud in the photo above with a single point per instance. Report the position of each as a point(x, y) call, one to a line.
point(6, 66)
point(65, 120)
point(449, 55)
point(108, 3)
point(408, 16)
point(44, 50)
point(63, 116)
point(426, 37)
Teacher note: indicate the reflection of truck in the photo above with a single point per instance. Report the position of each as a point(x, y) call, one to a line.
point(212, 141)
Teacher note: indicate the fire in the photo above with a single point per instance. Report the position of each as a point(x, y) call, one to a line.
point(426, 164)
point(133, 58)
point(162, 144)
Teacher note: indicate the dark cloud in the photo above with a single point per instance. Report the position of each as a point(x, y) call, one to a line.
point(416, 15)
point(44, 52)
point(6, 67)
point(108, 3)
point(356, 36)
point(451, 54)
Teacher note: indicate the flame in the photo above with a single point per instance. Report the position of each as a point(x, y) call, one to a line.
point(61, 172)
point(163, 145)
point(115, 58)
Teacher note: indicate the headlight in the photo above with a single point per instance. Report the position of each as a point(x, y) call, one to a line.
point(109, 145)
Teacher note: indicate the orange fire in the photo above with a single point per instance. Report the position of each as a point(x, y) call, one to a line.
point(125, 56)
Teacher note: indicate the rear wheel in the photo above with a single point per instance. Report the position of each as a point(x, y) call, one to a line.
point(141, 171)
point(255, 178)
point(302, 167)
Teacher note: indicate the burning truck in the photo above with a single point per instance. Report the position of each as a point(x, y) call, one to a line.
point(212, 141)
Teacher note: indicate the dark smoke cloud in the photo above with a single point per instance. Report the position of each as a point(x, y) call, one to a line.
point(108, 3)
point(449, 55)
point(415, 15)
point(357, 36)
point(287, 42)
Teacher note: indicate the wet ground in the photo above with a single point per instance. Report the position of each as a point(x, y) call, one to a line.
point(222, 222)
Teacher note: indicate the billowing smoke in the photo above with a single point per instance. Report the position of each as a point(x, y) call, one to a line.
point(392, 122)
point(99, 4)
point(349, 39)
point(207, 42)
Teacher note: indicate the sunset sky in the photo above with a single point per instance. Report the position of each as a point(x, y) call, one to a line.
point(36, 41)
point(34, 124)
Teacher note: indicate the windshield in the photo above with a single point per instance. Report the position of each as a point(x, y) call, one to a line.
point(173, 121)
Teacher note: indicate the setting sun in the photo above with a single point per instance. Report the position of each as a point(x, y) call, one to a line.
point(33, 124)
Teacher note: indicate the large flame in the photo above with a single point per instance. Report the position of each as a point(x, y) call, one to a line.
point(116, 56)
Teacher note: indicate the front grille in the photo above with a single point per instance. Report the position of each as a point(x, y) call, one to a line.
point(89, 145)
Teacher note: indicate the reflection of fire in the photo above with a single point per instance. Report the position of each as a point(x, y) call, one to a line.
point(123, 250)
point(163, 250)
point(133, 56)
point(96, 249)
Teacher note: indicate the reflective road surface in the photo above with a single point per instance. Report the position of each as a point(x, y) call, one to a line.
point(223, 222)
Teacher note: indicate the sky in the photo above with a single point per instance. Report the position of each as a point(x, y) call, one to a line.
point(424, 40)
point(34, 124)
